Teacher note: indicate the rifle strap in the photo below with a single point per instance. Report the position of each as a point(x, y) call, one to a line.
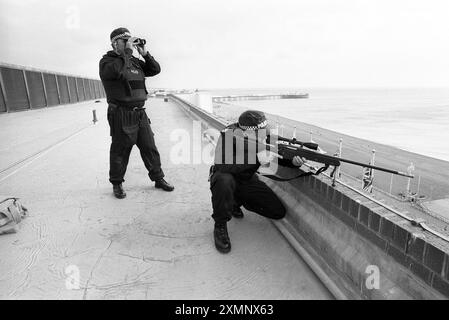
point(304, 174)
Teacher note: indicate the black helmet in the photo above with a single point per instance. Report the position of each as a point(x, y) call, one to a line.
point(252, 120)
point(120, 33)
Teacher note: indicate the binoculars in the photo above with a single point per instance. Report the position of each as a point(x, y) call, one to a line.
point(139, 42)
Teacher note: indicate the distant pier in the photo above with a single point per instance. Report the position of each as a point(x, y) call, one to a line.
point(260, 97)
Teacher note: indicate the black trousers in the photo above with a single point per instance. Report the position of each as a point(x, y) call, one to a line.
point(128, 128)
point(229, 192)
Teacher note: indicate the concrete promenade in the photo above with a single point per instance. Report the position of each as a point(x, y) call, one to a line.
point(151, 245)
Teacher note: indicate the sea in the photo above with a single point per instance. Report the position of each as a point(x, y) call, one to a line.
point(412, 119)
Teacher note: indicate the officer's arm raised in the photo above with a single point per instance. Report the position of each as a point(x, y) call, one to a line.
point(150, 67)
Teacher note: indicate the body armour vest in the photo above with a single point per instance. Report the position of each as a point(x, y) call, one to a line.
point(131, 88)
point(236, 152)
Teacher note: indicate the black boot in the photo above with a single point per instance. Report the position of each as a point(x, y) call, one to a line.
point(164, 185)
point(118, 191)
point(237, 213)
point(221, 237)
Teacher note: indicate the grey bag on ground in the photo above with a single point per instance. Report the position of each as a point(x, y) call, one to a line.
point(11, 214)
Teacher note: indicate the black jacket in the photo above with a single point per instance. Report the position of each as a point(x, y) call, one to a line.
point(113, 69)
point(241, 171)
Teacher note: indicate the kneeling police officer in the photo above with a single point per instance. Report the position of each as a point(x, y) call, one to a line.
point(123, 78)
point(233, 178)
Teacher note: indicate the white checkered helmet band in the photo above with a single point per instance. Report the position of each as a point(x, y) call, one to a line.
point(121, 35)
point(261, 125)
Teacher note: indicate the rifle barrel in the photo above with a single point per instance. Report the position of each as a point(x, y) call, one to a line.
point(376, 167)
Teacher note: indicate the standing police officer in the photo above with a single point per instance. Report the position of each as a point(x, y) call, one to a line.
point(123, 78)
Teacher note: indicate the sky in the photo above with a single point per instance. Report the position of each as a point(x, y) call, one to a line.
point(241, 43)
